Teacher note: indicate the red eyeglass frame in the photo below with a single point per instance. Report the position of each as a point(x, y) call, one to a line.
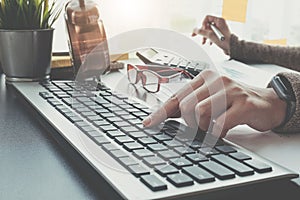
point(163, 73)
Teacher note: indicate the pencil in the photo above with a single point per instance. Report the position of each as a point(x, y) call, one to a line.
point(217, 31)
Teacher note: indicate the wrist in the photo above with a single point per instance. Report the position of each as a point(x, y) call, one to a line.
point(279, 107)
point(285, 93)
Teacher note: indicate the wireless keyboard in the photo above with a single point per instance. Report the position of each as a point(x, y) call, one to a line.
point(106, 129)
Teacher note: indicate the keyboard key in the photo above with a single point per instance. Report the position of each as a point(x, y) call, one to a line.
point(198, 174)
point(225, 149)
point(116, 133)
point(102, 122)
point(135, 121)
point(115, 119)
point(95, 133)
point(101, 101)
point(157, 147)
point(128, 129)
point(143, 153)
point(125, 106)
point(194, 144)
point(107, 115)
point(114, 109)
point(125, 116)
point(63, 108)
point(132, 110)
point(106, 128)
point(123, 139)
point(130, 146)
point(168, 154)
point(54, 102)
point(196, 157)
point(258, 166)
point(171, 132)
point(218, 170)
point(183, 138)
point(140, 106)
point(46, 95)
point(236, 166)
point(162, 137)
point(164, 170)
point(154, 160)
point(101, 140)
point(140, 126)
point(240, 156)
point(154, 183)
point(147, 140)
point(127, 161)
point(93, 118)
point(62, 95)
point(138, 170)
point(173, 143)
point(77, 106)
point(82, 109)
point(120, 123)
point(74, 119)
point(183, 150)
point(137, 135)
point(208, 151)
point(109, 147)
point(118, 153)
point(180, 180)
point(180, 162)
point(81, 124)
point(140, 114)
point(83, 99)
point(99, 111)
point(88, 128)
point(88, 114)
point(151, 131)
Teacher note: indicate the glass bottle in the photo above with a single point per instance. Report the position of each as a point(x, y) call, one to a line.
point(87, 37)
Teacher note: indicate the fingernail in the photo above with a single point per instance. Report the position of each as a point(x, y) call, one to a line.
point(147, 121)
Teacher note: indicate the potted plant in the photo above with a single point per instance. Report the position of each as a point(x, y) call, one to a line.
point(26, 36)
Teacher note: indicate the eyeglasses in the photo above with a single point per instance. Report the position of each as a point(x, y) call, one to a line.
point(153, 75)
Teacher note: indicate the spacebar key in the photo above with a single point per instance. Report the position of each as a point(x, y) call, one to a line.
point(153, 182)
point(218, 170)
point(234, 165)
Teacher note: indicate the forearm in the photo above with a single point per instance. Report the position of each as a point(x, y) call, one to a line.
point(261, 53)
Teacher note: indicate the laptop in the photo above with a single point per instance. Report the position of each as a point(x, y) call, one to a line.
point(105, 127)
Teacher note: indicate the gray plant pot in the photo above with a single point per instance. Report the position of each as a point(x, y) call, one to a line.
point(25, 55)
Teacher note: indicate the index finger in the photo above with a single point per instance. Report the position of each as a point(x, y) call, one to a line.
point(209, 19)
point(171, 107)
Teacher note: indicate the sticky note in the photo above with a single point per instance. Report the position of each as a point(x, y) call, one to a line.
point(235, 10)
point(281, 42)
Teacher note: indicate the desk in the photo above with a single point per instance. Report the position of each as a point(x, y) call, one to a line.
point(35, 164)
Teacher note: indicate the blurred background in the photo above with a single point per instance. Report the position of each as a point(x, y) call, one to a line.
point(267, 21)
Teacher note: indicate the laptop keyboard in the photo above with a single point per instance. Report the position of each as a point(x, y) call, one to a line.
point(155, 156)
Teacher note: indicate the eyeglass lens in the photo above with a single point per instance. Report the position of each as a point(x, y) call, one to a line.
point(149, 80)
